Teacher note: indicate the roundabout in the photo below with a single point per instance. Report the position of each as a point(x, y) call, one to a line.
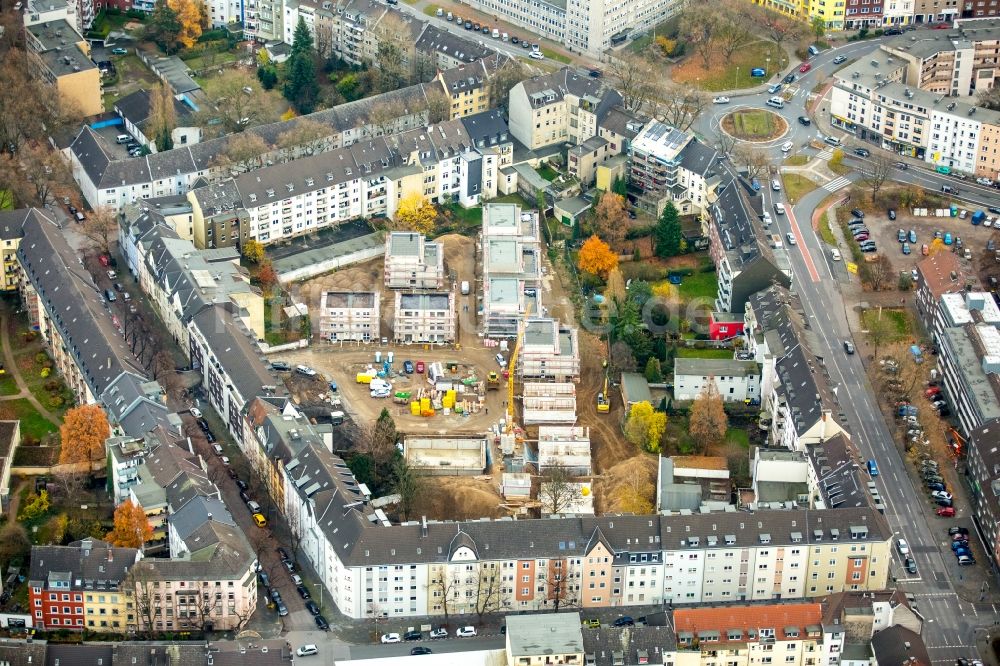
point(754, 125)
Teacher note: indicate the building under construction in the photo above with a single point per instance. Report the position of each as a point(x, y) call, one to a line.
point(548, 403)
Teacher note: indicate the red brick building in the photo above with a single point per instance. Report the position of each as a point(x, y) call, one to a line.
point(863, 13)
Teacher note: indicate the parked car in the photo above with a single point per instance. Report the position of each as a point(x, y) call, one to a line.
point(862, 152)
point(906, 248)
point(281, 366)
point(779, 208)
point(413, 636)
point(721, 99)
point(312, 607)
point(803, 120)
point(408, 367)
point(911, 565)
point(941, 494)
point(420, 650)
point(322, 623)
point(440, 632)
point(465, 632)
point(390, 638)
point(282, 553)
point(935, 486)
point(119, 51)
point(420, 367)
point(902, 547)
point(943, 502)
point(305, 370)
point(858, 213)
point(806, 66)
point(307, 650)
point(624, 621)
point(303, 592)
point(946, 512)
point(839, 59)
point(913, 235)
point(848, 346)
point(892, 213)
point(965, 560)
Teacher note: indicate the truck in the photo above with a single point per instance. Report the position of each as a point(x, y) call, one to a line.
point(465, 288)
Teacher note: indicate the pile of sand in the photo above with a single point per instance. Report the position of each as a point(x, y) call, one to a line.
point(609, 486)
point(460, 498)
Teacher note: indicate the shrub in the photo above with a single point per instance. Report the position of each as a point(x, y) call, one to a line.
point(639, 232)
point(641, 271)
point(45, 372)
point(52, 385)
point(29, 336)
point(41, 358)
point(56, 401)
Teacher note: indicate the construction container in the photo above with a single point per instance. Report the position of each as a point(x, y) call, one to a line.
point(364, 378)
point(425, 403)
point(415, 408)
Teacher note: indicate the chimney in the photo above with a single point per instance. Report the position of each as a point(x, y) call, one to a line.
point(423, 527)
point(111, 554)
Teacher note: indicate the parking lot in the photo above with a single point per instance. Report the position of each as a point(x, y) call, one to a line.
point(115, 150)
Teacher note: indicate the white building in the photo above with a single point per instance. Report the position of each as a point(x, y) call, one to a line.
point(736, 381)
point(350, 316)
point(425, 317)
point(548, 403)
point(566, 447)
point(413, 262)
point(549, 350)
point(666, 164)
point(512, 268)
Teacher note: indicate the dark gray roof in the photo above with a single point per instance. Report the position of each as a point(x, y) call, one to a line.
point(74, 304)
point(12, 222)
point(899, 646)
point(90, 561)
point(91, 154)
point(487, 128)
point(151, 654)
point(190, 517)
point(135, 107)
point(22, 653)
point(461, 79)
point(91, 654)
point(437, 41)
point(698, 158)
point(569, 81)
point(622, 122)
point(137, 405)
point(236, 351)
point(605, 641)
point(839, 475)
point(54, 34)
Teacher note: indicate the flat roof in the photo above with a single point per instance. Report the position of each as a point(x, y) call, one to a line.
point(544, 634)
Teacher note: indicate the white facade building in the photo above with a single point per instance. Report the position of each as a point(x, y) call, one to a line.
point(350, 316)
point(736, 381)
point(425, 317)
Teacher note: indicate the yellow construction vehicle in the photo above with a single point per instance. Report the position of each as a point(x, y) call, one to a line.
point(603, 401)
point(511, 370)
point(493, 380)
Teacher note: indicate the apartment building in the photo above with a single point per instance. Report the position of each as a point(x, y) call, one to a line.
point(983, 473)
point(125, 455)
point(412, 261)
point(350, 316)
point(448, 49)
point(467, 87)
point(181, 280)
point(10, 439)
point(735, 380)
point(564, 447)
point(549, 350)
point(854, 626)
point(45, 11)
point(961, 308)
point(583, 27)
point(425, 317)
point(512, 268)
point(232, 367)
point(107, 179)
point(61, 58)
point(666, 164)
point(81, 586)
point(797, 400)
point(11, 232)
point(562, 107)
point(743, 635)
point(939, 274)
point(969, 358)
point(65, 304)
point(935, 11)
point(746, 257)
point(871, 100)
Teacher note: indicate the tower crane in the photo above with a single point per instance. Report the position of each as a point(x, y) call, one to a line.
point(511, 367)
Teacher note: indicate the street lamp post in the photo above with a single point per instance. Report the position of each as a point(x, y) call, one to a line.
point(320, 586)
point(736, 83)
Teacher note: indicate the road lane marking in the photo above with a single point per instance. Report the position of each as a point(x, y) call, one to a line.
point(802, 247)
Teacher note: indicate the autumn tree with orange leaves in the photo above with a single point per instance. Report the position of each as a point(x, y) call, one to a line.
point(83, 433)
point(596, 257)
point(132, 528)
point(190, 15)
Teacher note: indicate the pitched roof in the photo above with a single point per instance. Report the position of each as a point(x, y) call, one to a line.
point(22, 653)
point(446, 43)
point(898, 646)
point(788, 621)
point(87, 562)
point(91, 654)
point(137, 106)
point(74, 304)
point(698, 158)
point(604, 642)
point(937, 270)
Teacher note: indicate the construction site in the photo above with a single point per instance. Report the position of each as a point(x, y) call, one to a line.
point(519, 397)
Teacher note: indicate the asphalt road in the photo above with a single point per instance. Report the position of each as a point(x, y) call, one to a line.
point(950, 621)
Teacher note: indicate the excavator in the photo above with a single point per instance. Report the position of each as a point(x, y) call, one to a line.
point(603, 400)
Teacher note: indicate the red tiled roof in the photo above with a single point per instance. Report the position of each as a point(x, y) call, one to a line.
point(779, 617)
point(936, 271)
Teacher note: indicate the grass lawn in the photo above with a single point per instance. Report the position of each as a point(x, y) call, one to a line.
point(754, 124)
point(691, 352)
point(553, 55)
point(32, 423)
point(547, 172)
point(797, 186)
point(826, 233)
point(699, 285)
point(209, 60)
point(797, 160)
point(7, 384)
point(838, 168)
point(899, 318)
point(734, 436)
point(430, 10)
point(731, 73)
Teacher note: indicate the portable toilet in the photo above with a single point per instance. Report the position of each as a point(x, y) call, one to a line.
point(378, 357)
point(388, 356)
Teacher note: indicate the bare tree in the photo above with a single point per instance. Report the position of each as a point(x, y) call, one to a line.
point(700, 21)
point(395, 51)
point(323, 38)
point(209, 602)
point(563, 593)
point(304, 137)
point(444, 587)
point(229, 102)
point(384, 117)
point(679, 106)
point(879, 273)
point(875, 170)
point(633, 77)
point(488, 596)
point(734, 28)
point(422, 68)
point(503, 73)
point(438, 106)
point(726, 143)
point(43, 174)
point(242, 153)
point(752, 159)
point(101, 229)
point(989, 98)
point(72, 480)
point(141, 582)
point(557, 490)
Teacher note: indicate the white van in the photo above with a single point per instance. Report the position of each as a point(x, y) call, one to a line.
point(835, 254)
point(253, 506)
point(465, 288)
point(440, 12)
point(217, 449)
point(787, 146)
point(496, 34)
point(776, 102)
point(122, 139)
point(776, 185)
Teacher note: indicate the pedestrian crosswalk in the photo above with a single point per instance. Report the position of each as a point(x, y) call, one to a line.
point(825, 154)
point(836, 184)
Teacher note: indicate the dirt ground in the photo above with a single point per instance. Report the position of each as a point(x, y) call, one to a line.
point(615, 461)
